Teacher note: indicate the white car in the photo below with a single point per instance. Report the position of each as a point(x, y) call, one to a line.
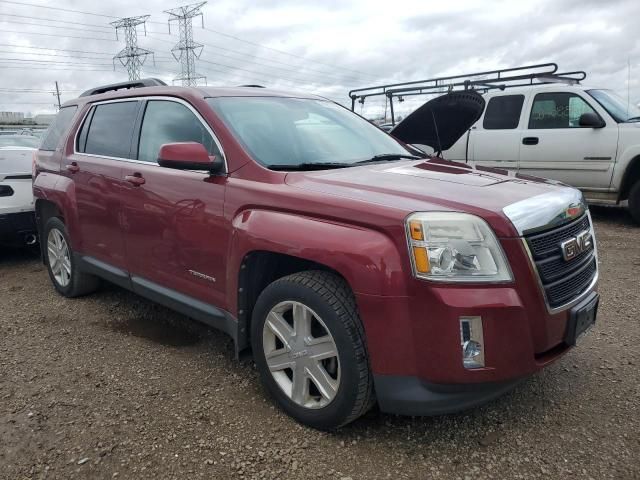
point(17, 217)
point(585, 137)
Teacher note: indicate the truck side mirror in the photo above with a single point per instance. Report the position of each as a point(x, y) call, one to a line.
point(591, 120)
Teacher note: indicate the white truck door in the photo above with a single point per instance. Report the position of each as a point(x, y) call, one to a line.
point(555, 146)
point(495, 139)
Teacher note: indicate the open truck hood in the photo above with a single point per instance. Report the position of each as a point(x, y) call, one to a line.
point(441, 122)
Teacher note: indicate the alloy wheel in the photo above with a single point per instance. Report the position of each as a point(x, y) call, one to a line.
point(301, 354)
point(59, 257)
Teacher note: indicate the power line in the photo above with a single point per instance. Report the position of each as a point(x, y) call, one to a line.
point(57, 35)
point(13, 22)
point(54, 62)
point(49, 48)
point(29, 17)
point(295, 68)
point(56, 8)
point(285, 53)
point(30, 91)
point(206, 29)
point(54, 55)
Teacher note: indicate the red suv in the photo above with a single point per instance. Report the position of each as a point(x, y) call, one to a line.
point(355, 268)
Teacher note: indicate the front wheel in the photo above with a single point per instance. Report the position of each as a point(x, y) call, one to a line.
point(634, 201)
point(309, 347)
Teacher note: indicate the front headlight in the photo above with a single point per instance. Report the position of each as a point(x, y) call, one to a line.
point(455, 247)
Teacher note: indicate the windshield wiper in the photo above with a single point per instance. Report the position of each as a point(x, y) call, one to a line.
point(633, 119)
point(389, 157)
point(310, 166)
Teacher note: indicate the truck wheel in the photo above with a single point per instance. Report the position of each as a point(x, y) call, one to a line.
point(634, 201)
point(63, 271)
point(309, 346)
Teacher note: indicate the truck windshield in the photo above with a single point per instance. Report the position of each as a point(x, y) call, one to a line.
point(618, 108)
point(297, 133)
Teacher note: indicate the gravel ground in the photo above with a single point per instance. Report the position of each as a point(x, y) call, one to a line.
point(112, 386)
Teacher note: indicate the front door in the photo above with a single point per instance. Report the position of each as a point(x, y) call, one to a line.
point(555, 146)
point(175, 233)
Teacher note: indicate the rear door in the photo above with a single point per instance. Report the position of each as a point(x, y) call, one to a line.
point(495, 140)
point(102, 143)
point(175, 233)
point(555, 146)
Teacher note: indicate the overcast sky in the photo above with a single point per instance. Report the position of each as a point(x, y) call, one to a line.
point(326, 47)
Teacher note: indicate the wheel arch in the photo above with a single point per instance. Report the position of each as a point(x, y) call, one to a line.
point(269, 245)
point(631, 175)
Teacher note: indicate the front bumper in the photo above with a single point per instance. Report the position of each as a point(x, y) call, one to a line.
point(413, 396)
point(414, 342)
point(18, 229)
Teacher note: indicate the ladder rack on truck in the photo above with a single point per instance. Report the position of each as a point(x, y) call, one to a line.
point(480, 81)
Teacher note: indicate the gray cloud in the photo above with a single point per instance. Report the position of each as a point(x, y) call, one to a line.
point(368, 41)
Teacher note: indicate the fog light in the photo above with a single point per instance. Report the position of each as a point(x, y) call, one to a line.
point(472, 342)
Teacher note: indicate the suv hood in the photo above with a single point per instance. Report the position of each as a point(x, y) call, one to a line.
point(440, 185)
point(441, 122)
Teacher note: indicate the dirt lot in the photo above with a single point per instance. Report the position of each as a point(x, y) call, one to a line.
point(112, 386)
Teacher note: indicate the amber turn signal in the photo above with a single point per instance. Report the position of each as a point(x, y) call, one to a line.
point(415, 228)
point(421, 259)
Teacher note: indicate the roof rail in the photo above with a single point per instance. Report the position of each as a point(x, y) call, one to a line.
point(480, 81)
point(145, 82)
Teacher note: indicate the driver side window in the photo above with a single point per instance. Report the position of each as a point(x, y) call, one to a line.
point(168, 122)
point(558, 110)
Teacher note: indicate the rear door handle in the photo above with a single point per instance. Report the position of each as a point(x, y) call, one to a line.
point(73, 167)
point(136, 179)
point(530, 140)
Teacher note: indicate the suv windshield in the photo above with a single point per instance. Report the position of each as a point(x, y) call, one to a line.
point(295, 133)
point(618, 108)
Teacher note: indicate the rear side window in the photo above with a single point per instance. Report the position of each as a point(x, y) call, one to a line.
point(58, 128)
point(169, 122)
point(110, 129)
point(503, 113)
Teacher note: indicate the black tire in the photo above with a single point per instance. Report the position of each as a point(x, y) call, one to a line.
point(634, 202)
point(80, 283)
point(331, 298)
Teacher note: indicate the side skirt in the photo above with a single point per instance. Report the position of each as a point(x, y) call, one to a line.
point(188, 306)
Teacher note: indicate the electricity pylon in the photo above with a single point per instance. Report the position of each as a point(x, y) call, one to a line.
point(131, 56)
point(186, 51)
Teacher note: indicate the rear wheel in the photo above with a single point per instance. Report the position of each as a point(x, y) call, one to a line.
point(309, 347)
point(634, 201)
point(58, 256)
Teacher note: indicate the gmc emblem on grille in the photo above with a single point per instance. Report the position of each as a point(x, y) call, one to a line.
point(575, 246)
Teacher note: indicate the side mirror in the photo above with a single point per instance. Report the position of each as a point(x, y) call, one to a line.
point(188, 156)
point(591, 120)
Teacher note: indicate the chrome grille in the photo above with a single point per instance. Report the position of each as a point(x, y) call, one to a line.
point(548, 243)
point(562, 281)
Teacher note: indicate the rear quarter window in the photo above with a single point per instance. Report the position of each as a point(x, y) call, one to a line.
point(58, 128)
point(503, 112)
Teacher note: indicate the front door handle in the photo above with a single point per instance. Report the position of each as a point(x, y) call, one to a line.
point(136, 179)
point(530, 140)
point(73, 167)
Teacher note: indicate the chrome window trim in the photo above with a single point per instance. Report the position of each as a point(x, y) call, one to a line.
point(137, 99)
point(579, 298)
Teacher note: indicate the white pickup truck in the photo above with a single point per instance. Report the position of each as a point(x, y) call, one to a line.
point(584, 137)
